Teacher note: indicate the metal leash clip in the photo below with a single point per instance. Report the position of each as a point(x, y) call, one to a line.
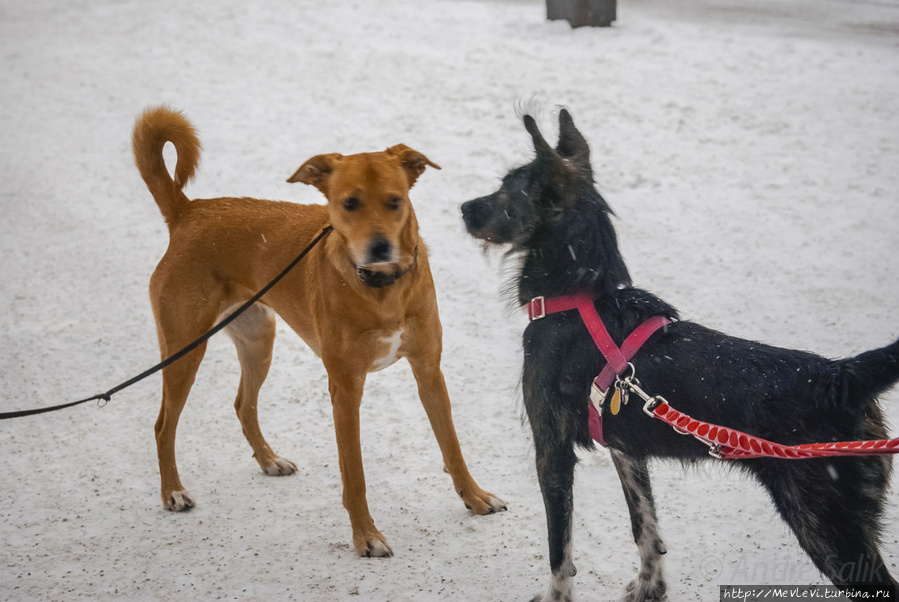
point(651, 403)
point(630, 384)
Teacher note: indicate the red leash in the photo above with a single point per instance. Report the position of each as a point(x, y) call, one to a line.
point(724, 443)
point(730, 444)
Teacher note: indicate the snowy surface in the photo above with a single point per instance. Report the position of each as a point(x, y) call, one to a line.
point(749, 147)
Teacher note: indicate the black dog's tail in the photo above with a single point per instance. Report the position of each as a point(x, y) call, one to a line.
point(869, 374)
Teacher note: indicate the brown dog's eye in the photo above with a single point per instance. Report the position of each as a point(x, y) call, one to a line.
point(394, 203)
point(351, 203)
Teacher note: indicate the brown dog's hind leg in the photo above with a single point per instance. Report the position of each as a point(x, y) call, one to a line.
point(180, 319)
point(253, 334)
point(177, 380)
point(436, 402)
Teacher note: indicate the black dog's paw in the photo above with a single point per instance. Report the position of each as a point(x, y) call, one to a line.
point(554, 596)
point(645, 591)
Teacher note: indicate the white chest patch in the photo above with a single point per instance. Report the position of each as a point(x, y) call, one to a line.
point(392, 355)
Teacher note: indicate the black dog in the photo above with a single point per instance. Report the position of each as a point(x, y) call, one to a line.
point(552, 216)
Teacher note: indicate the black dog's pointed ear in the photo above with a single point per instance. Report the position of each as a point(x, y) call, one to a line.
point(556, 171)
point(572, 143)
point(546, 155)
point(540, 144)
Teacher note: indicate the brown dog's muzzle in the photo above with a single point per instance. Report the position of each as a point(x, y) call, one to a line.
point(382, 279)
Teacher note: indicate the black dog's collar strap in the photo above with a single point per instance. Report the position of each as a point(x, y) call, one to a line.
point(382, 279)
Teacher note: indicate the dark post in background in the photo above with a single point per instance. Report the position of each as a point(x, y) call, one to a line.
point(581, 13)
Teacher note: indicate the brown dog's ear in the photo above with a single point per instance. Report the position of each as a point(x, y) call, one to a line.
point(413, 162)
point(316, 171)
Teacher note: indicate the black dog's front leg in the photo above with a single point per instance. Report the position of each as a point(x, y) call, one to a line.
point(555, 471)
point(556, 410)
point(634, 475)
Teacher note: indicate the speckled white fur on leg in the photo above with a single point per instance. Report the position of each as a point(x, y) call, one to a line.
point(650, 582)
point(562, 585)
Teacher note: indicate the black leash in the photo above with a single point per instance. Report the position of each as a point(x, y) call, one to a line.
point(105, 397)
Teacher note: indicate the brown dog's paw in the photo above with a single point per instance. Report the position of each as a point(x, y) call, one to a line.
point(280, 467)
point(482, 502)
point(179, 501)
point(378, 549)
point(372, 546)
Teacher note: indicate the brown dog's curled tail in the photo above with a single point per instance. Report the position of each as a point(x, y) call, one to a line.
point(152, 130)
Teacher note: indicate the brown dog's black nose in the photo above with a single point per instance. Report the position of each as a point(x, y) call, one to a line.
point(379, 250)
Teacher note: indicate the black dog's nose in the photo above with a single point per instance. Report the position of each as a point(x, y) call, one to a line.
point(474, 214)
point(379, 250)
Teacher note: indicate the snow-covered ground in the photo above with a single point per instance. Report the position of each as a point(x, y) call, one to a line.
point(749, 147)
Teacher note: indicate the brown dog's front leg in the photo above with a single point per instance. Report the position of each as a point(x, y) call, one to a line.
point(346, 397)
point(435, 399)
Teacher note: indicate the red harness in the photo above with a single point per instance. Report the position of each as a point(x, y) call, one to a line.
point(724, 443)
point(616, 359)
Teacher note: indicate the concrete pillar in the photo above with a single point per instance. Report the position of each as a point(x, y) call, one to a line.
point(581, 13)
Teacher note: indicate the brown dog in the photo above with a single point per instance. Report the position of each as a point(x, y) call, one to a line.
point(361, 299)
